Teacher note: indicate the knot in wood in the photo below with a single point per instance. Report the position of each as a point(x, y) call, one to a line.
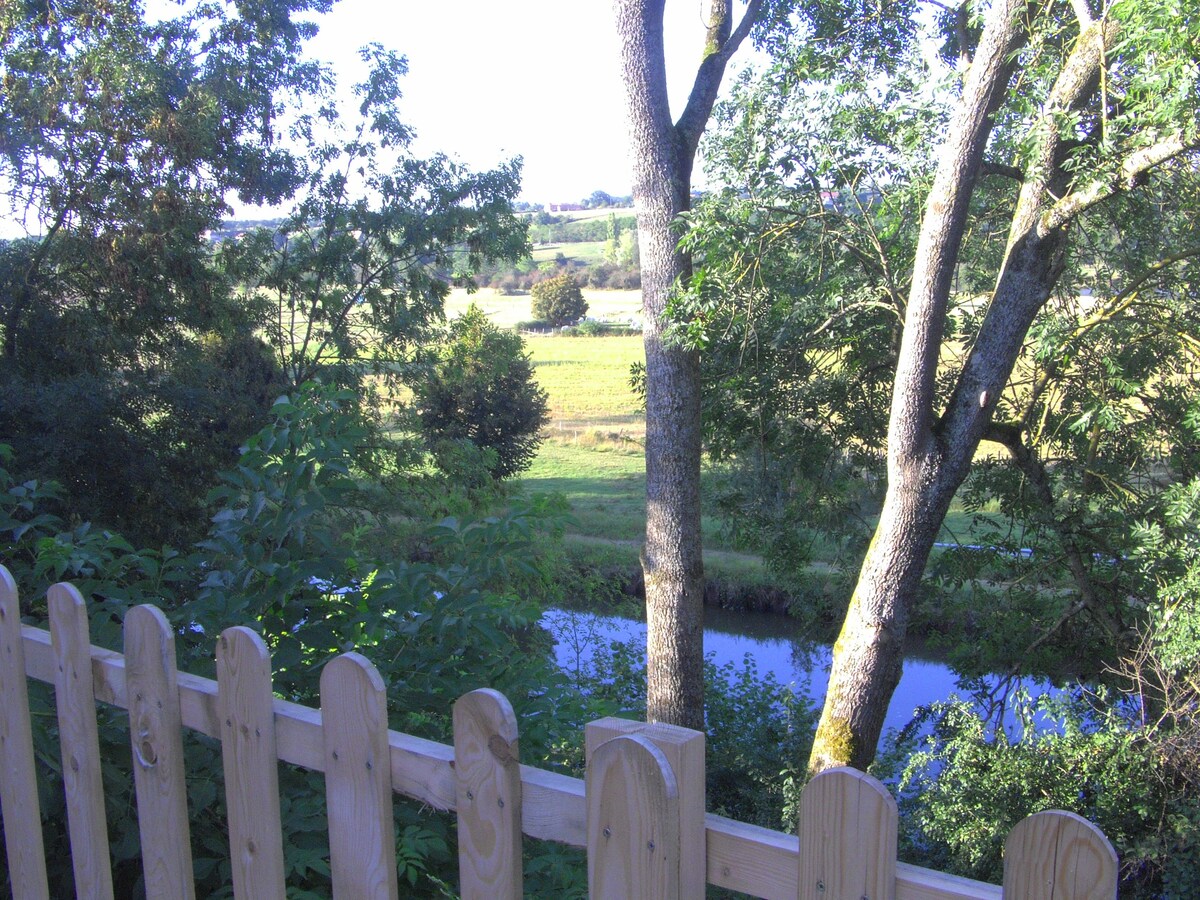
point(144, 750)
point(502, 750)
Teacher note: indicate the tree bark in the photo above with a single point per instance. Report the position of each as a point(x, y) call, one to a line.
point(662, 155)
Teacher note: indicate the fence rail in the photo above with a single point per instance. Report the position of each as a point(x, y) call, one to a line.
point(639, 812)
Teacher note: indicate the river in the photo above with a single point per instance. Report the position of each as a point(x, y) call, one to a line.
point(777, 645)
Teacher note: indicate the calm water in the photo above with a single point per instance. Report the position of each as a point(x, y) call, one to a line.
point(776, 644)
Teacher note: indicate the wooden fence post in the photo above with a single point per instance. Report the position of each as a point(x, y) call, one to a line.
point(155, 731)
point(848, 824)
point(251, 764)
point(684, 751)
point(79, 742)
point(358, 780)
point(18, 778)
point(632, 822)
point(1056, 855)
point(487, 776)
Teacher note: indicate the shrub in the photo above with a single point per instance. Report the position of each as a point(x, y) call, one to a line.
point(288, 525)
point(590, 328)
point(969, 783)
point(482, 390)
point(558, 300)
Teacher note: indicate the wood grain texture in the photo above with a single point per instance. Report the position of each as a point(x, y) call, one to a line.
point(1058, 855)
point(684, 752)
point(79, 742)
point(632, 822)
point(848, 824)
point(158, 769)
point(248, 754)
point(18, 778)
point(358, 780)
point(488, 777)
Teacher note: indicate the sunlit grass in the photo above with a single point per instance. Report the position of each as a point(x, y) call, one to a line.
point(587, 380)
point(590, 252)
point(508, 310)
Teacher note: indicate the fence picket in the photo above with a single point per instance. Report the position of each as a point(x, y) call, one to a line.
point(632, 822)
point(684, 751)
point(80, 742)
point(848, 825)
point(18, 777)
point(1057, 855)
point(487, 774)
point(251, 764)
point(155, 733)
point(358, 780)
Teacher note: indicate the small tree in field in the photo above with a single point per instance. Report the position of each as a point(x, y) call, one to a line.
point(558, 301)
point(482, 390)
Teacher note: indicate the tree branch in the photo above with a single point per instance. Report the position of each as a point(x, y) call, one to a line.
point(1011, 172)
point(910, 429)
point(1082, 12)
point(722, 44)
point(1126, 178)
point(1033, 258)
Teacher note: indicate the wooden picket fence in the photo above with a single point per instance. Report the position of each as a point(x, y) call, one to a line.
point(639, 812)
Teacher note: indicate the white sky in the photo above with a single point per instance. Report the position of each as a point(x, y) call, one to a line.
point(492, 79)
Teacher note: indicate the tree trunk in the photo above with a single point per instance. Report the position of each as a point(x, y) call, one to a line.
point(869, 652)
point(923, 471)
point(928, 457)
point(661, 155)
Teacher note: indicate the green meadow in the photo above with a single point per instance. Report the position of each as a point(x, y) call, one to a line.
point(507, 310)
point(593, 454)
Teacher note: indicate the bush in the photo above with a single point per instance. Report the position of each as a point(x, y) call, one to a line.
point(482, 390)
point(590, 328)
point(288, 526)
point(759, 730)
point(970, 783)
point(558, 300)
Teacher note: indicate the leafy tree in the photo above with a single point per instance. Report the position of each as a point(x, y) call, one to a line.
point(599, 200)
point(1090, 404)
point(121, 139)
point(995, 334)
point(482, 390)
point(797, 308)
point(357, 274)
point(1108, 112)
point(558, 300)
point(297, 549)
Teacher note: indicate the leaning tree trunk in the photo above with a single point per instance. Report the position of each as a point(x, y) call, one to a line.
point(662, 153)
point(869, 653)
point(929, 457)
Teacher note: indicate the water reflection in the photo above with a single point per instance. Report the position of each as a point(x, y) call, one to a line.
point(777, 644)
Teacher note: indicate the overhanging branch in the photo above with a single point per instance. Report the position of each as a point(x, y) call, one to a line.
point(1009, 437)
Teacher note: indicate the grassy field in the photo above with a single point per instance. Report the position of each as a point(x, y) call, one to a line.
point(507, 310)
point(587, 379)
point(593, 448)
point(589, 252)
